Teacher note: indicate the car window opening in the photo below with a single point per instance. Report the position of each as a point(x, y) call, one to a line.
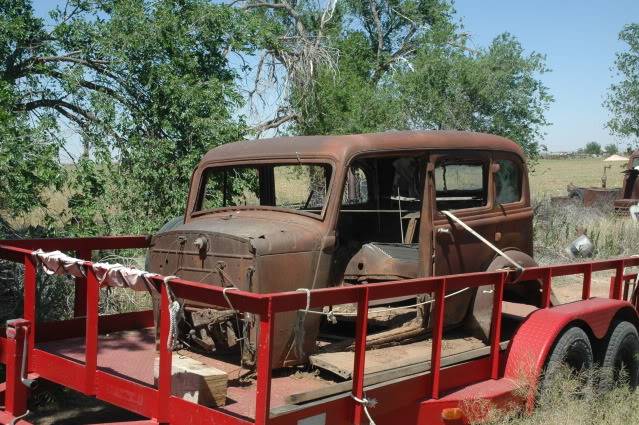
point(300, 187)
point(378, 223)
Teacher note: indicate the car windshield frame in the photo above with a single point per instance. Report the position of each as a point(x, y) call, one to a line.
point(203, 175)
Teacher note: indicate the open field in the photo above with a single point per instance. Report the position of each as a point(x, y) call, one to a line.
point(550, 177)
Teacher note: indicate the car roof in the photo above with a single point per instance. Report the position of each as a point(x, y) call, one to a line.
point(344, 147)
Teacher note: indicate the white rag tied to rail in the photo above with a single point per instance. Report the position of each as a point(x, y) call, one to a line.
point(112, 275)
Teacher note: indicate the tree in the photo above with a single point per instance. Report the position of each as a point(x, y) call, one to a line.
point(623, 97)
point(29, 146)
point(611, 149)
point(493, 90)
point(147, 86)
point(405, 64)
point(592, 148)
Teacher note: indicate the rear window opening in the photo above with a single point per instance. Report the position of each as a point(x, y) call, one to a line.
point(460, 185)
point(301, 187)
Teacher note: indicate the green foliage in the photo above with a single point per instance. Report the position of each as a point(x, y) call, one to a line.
point(592, 148)
point(148, 87)
point(611, 149)
point(623, 97)
point(28, 148)
point(405, 65)
point(493, 90)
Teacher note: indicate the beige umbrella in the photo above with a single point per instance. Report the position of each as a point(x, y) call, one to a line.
point(612, 158)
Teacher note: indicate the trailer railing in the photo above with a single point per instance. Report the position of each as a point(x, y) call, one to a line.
point(160, 405)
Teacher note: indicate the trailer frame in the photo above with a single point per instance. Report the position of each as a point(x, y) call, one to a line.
point(425, 397)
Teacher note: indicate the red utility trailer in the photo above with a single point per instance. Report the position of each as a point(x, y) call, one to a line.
point(81, 353)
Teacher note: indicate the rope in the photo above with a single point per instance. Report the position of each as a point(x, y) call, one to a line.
point(174, 309)
point(482, 239)
point(366, 403)
point(244, 327)
point(226, 297)
point(331, 314)
point(15, 420)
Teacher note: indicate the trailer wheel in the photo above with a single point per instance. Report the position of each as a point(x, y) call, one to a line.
point(572, 350)
point(622, 354)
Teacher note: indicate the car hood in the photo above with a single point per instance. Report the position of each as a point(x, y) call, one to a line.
point(268, 232)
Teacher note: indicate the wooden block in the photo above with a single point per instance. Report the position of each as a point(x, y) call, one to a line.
point(196, 382)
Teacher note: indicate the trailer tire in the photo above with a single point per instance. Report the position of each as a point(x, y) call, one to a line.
point(572, 349)
point(622, 352)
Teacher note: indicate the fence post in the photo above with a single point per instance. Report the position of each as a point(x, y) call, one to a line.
point(359, 363)
point(585, 293)
point(495, 339)
point(264, 360)
point(30, 300)
point(91, 331)
point(438, 333)
point(616, 281)
point(166, 358)
point(16, 392)
point(546, 288)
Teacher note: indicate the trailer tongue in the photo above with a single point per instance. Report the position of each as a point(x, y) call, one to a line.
point(111, 357)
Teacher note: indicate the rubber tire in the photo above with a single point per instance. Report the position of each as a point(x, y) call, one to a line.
point(573, 349)
point(622, 350)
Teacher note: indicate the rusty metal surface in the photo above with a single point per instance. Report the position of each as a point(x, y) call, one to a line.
point(593, 196)
point(268, 249)
point(344, 147)
point(630, 190)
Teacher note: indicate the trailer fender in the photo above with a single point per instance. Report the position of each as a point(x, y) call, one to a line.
point(528, 350)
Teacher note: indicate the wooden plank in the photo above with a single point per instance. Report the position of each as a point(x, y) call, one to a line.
point(341, 362)
point(383, 376)
point(196, 382)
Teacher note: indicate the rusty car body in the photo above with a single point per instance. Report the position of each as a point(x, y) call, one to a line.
point(630, 191)
point(364, 208)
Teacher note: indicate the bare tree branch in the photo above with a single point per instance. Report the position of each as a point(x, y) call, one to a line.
point(274, 123)
point(55, 104)
point(378, 26)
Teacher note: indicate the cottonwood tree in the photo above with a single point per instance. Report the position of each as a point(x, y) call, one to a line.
point(623, 96)
point(147, 86)
point(402, 64)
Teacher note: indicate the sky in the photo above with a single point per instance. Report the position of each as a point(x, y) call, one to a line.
point(579, 39)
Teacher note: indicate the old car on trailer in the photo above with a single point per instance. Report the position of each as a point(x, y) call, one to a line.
point(434, 227)
point(347, 210)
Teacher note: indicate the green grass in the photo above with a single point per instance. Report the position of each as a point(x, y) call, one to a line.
point(568, 399)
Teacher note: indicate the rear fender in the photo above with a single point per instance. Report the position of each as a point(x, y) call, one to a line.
point(480, 316)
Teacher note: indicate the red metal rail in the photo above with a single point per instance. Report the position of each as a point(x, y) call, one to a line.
point(159, 405)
